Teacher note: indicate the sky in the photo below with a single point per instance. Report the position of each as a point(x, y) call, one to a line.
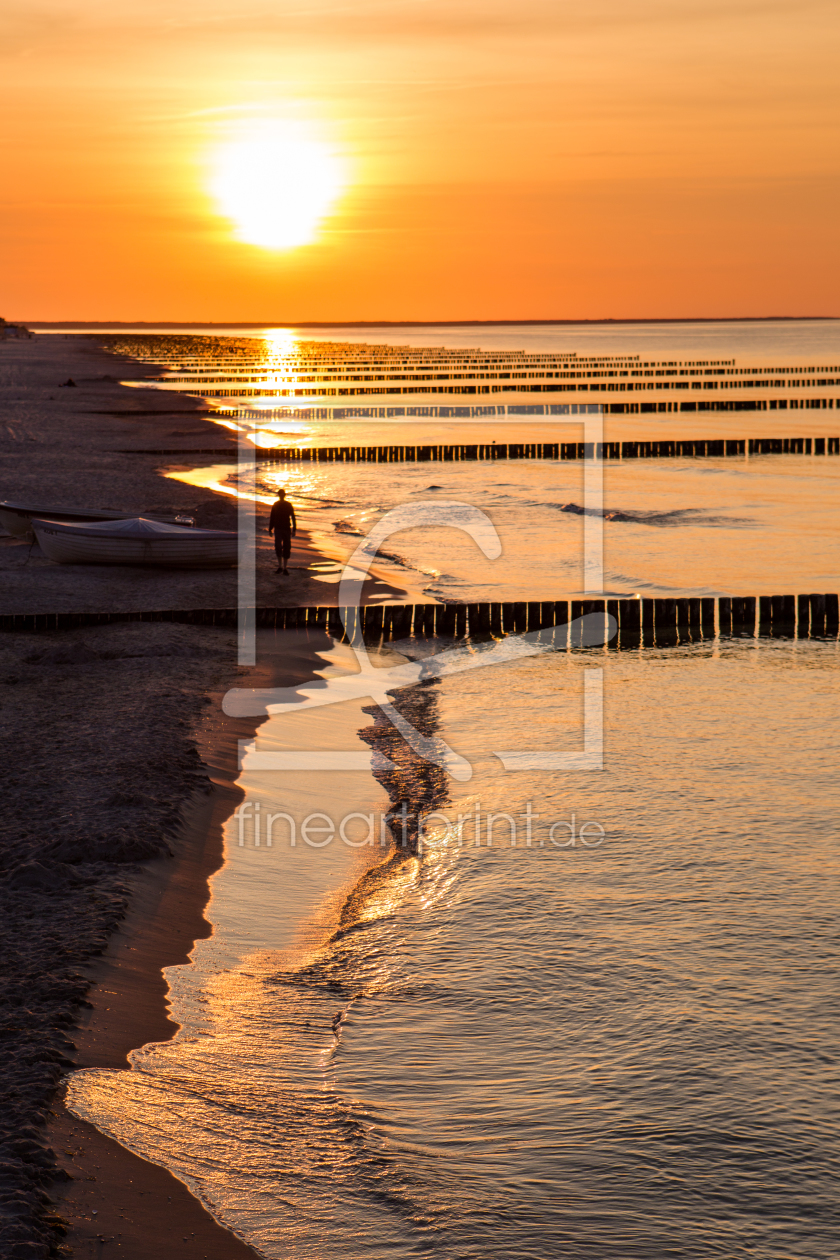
point(418, 159)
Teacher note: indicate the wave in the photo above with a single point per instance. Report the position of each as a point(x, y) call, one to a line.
point(676, 516)
point(347, 527)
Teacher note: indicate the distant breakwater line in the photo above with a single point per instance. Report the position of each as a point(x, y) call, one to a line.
point(637, 622)
point(682, 448)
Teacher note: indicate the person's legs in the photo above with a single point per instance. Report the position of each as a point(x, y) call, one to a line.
point(283, 548)
point(278, 550)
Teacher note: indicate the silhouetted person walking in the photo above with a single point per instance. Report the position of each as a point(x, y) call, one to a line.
point(283, 526)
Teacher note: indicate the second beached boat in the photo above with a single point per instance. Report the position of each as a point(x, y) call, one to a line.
point(136, 541)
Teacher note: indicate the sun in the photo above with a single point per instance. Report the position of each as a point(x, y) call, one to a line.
point(276, 183)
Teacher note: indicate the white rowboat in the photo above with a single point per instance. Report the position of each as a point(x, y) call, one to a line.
point(137, 541)
point(16, 518)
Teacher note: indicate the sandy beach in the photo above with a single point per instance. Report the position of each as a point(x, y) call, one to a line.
point(115, 824)
point(83, 444)
point(114, 829)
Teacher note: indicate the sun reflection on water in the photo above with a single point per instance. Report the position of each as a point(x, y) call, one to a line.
point(280, 342)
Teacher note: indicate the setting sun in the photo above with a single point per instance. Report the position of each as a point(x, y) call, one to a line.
point(276, 183)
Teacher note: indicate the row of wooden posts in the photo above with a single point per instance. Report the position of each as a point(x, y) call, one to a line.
point(661, 621)
point(802, 615)
point(687, 448)
point(709, 448)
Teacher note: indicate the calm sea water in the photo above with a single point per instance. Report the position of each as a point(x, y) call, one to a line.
point(609, 1049)
point(689, 527)
point(681, 527)
point(765, 341)
point(621, 1045)
point(759, 341)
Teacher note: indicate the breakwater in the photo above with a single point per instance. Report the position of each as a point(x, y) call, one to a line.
point(682, 448)
point(645, 622)
point(676, 448)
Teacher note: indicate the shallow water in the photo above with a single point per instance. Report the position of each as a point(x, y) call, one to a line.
point(458, 384)
point(625, 1047)
point(680, 527)
point(693, 527)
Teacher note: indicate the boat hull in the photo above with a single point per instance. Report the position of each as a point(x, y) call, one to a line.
point(192, 551)
point(16, 518)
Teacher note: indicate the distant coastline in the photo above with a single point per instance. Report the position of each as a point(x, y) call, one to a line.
point(421, 323)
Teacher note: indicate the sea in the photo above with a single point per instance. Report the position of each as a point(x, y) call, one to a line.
point(536, 955)
point(672, 527)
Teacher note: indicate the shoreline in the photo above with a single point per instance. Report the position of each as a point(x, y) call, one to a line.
point(111, 1179)
point(128, 1004)
point(299, 590)
point(79, 437)
point(99, 719)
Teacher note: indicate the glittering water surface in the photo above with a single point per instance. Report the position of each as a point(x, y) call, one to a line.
point(600, 1044)
point(678, 527)
point(625, 1048)
point(686, 527)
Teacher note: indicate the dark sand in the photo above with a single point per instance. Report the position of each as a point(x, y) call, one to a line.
point(107, 775)
point(67, 446)
point(103, 777)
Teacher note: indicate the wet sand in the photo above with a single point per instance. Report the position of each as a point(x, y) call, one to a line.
point(108, 777)
point(114, 1196)
point(78, 445)
point(138, 1206)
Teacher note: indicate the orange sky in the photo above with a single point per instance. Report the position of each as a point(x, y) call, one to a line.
point(506, 158)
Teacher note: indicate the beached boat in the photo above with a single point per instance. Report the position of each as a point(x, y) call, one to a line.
point(136, 541)
point(16, 518)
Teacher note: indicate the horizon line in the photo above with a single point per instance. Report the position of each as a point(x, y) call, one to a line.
point(416, 323)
